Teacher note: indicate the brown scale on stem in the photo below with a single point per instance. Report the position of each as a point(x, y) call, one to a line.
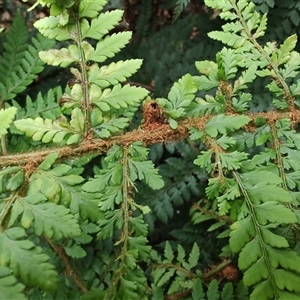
point(154, 116)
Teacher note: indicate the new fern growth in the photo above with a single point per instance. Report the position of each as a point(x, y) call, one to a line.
point(235, 183)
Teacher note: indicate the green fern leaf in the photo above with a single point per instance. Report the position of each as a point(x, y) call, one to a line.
point(15, 45)
point(75, 251)
point(109, 46)
point(139, 244)
point(15, 181)
point(44, 106)
point(86, 204)
point(225, 5)
point(166, 277)
point(242, 232)
point(101, 25)
point(273, 212)
point(50, 131)
point(9, 287)
point(47, 218)
point(287, 280)
point(227, 292)
point(197, 292)
point(222, 124)
point(27, 261)
point(6, 117)
point(59, 185)
point(194, 256)
point(52, 29)
point(181, 253)
point(262, 191)
point(144, 170)
point(113, 73)
point(168, 252)
point(98, 184)
point(106, 129)
point(90, 9)
point(63, 57)
point(180, 5)
point(212, 291)
point(122, 96)
point(229, 38)
point(180, 97)
point(284, 52)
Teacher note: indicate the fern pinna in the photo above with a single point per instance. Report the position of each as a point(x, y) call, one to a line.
point(88, 231)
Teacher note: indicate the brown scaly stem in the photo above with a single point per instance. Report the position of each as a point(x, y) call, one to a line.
point(69, 269)
point(148, 136)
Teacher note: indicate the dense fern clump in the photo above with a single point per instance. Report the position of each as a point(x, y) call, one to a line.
point(200, 200)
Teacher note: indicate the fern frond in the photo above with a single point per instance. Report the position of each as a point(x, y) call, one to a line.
point(9, 287)
point(261, 250)
point(53, 131)
point(44, 106)
point(180, 5)
point(6, 117)
point(52, 220)
point(20, 64)
point(108, 128)
point(180, 270)
point(101, 25)
point(52, 29)
point(114, 73)
point(90, 9)
point(109, 46)
point(25, 260)
point(121, 96)
point(63, 57)
point(179, 99)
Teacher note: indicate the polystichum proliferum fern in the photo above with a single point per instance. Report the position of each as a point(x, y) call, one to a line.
point(72, 224)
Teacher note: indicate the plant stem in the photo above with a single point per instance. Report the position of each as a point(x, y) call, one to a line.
point(162, 133)
point(69, 269)
point(4, 145)
point(84, 83)
point(6, 209)
point(126, 207)
point(217, 269)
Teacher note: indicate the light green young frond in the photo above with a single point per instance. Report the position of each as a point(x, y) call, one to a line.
point(6, 117)
point(26, 260)
point(108, 128)
point(52, 29)
point(101, 25)
point(91, 9)
point(179, 99)
point(114, 73)
point(224, 5)
point(121, 96)
point(109, 46)
point(62, 57)
point(53, 131)
point(283, 54)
